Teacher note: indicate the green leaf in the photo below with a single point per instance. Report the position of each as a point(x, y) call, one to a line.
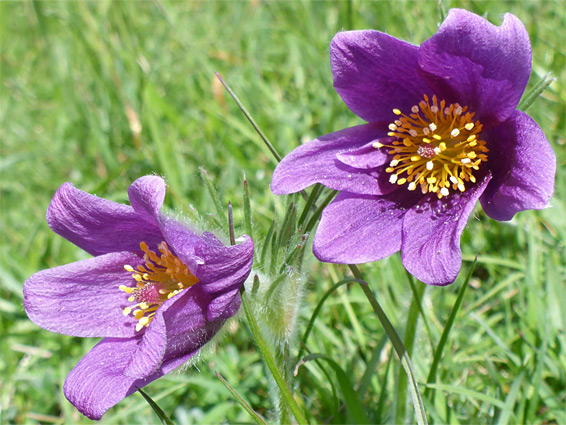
point(158, 411)
point(247, 209)
point(354, 407)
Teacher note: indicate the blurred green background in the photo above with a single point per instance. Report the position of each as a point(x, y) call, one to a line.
point(100, 93)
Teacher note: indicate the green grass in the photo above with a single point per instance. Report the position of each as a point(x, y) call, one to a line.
point(78, 79)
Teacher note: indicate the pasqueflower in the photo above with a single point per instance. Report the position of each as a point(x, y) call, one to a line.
point(443, 133)
point(155, 290)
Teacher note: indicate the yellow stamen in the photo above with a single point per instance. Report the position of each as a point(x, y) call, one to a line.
point(438, 147)
point(161, 278)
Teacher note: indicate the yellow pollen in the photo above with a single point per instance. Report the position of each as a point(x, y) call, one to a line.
point(161, 277)
point(438, 147)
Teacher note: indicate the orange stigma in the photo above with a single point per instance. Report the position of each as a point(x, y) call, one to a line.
point(162, 277)
point(437, 147)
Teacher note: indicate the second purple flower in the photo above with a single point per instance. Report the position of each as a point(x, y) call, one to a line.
point(155, 290)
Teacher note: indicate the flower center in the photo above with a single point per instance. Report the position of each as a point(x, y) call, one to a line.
point(162, 277)
point(437, 147)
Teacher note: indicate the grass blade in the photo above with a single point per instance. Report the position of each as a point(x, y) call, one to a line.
point(397, 345)
point(158, 411)
point(354, 408)
point(410, 331)
point(250, 119)
point(255, 416)
point(444, 337)
point(317, 311)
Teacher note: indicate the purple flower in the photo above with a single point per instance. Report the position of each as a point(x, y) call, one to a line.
point(155, 290)
point(443, 133)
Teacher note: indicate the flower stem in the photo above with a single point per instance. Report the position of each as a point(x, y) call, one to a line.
point(397, 345)
point(270, 362)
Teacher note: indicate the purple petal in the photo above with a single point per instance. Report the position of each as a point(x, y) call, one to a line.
point(97, 225)
point(523, 166)
point(82, 298)
point(146, 197)
point(317, 162)
point(358, 229)
point(431, 235)
point(366, 157)
point(374, 73)
point(223, 272)
point(477, 64)
point(97, 382)
point(179, 329)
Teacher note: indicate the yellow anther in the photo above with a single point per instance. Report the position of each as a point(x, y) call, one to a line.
point(127, 311)
point(126, 289)
point(377, 145)
point(429, 150)
point(129, 268)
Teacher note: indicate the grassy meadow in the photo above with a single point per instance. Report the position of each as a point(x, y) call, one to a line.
point(99, 93)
